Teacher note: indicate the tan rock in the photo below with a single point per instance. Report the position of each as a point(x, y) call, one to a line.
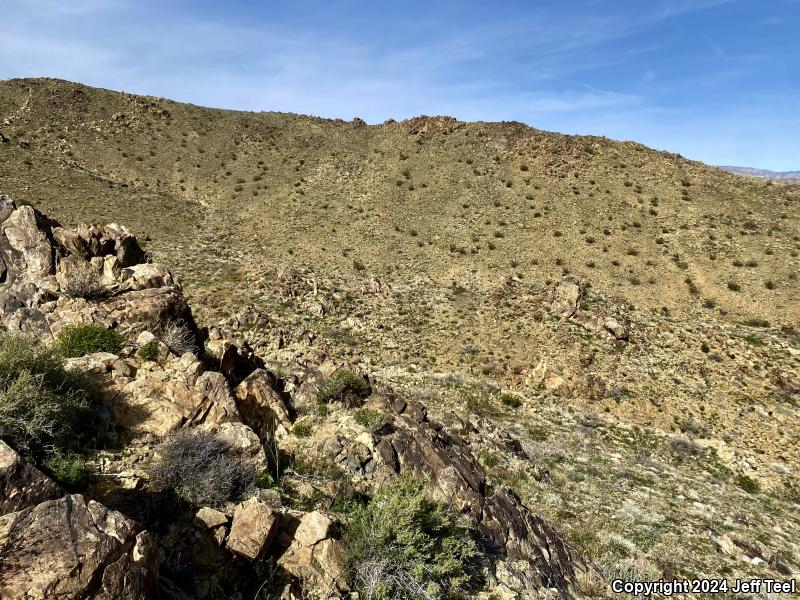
point(210, 518)
point(254, 525)
point(314, 527)
point(68, 548)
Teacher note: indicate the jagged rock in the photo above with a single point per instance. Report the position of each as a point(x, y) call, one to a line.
point(161, 397)
point(566, 297)
point(314, 527)
point(509, 529)
point(254, 525)
point(38, 257)
point(261, 406)
point(243, 441)
point(68, 548)
point(21, 484)
point(210, 518)
point(233, 358)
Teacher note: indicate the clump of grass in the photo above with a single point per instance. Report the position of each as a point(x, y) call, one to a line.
point(511, 400)
point(747, 483)
point(178, 337)
point(301, 429)
point(83, 281)
point(343, 385)
point(68, 469)
point(402, 545)
point(148, 351)
point(373, 420)
point(79, 340)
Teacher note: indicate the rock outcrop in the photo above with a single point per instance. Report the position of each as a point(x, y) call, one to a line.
point(76, 547)
point(70, 548)
point(51, 276)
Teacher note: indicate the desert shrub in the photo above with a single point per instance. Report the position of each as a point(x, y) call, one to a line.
point(402, 545)
point(77, 340)
point(373, 420)
point(148, 351)
point(200, 468)
point(511, 400)
point(178, 337)
point(734, 287)
point(301, 429)
point(68, 469)
point(41, 402)
point(83, 281)
point(343, 385)
point(748, 484)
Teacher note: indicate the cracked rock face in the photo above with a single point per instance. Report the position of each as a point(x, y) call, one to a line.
point(68, 548)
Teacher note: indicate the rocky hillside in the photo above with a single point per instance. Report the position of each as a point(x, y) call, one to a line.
point(430, 198)
point(580, 355)
point(313, 439)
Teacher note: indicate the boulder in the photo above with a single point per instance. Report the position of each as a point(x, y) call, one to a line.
point(38, 258)
point(21, 484)
point(316, 558)
point(68, 548)
point(210, 518)
point(617, 329)
point(566, 297)
point(159, 398)
point(254, 525)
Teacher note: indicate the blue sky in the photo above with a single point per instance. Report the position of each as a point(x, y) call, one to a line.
point(716, 80)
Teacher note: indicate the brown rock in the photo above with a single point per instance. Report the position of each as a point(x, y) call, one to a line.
point(314, 527)
point(68, 548)
point(21, 484)
point(252, 530)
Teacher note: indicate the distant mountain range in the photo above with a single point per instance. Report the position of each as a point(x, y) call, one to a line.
point(766, 174)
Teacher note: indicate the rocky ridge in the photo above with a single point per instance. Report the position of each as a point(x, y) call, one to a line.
point(81, 546)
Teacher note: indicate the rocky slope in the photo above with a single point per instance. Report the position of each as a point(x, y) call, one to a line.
point(84, 545)
point(608, 331)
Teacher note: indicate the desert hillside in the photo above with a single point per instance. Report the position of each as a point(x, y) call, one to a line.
point(430, 198)
point(612, 329)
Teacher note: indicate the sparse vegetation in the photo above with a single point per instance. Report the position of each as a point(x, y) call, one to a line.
point(83, 281)
point(373, 420)
point(343, 386)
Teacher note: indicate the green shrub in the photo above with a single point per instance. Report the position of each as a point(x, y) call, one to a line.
point(68, 469)
point(200, 468)
point(148, 351)
point(373, 420)
point(301, 429)
point(404, 545)
point(78, 340)
point(41, 402)
point(343, 385)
